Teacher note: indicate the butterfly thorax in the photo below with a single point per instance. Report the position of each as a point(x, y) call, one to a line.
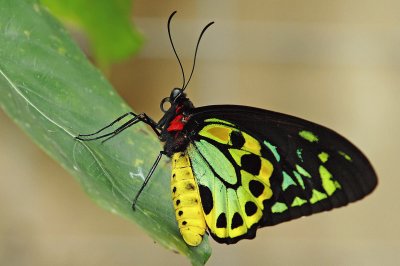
point(173, 124)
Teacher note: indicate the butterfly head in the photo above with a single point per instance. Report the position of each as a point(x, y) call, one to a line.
point(176, 97)
point(176, 94)
point(174, 105)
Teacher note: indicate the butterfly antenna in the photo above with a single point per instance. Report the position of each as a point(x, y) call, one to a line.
point(195, 53)
point(173, 47)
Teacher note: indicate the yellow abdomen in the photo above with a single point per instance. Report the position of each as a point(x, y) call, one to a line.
point(186, 199)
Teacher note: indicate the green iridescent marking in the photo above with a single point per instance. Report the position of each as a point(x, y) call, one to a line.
point(279, 207)
point(287, 181)
point(200, 167)
point(308, 135)
point(299, 179)
point(221, 165)
point(302, 171)
point(327, 183)
point(337, 185)
point(323, 157)
point(317, 196)
point(299, 152)
point(218, 121)
point(272, 148)
point(345, 155)
point(298, 202)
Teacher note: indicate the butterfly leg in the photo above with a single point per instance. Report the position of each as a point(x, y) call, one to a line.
point(136, 118)
point(150, 173)
point(110, 125)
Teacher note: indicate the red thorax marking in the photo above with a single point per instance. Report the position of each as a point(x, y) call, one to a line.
point(176, 124)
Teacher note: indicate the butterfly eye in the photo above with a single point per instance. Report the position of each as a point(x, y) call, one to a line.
point(163, 106)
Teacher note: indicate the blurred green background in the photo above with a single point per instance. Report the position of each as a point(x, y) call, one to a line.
point(333, 62)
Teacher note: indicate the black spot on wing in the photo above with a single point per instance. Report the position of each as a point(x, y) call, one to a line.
point(237, 139)
point(250, 208)
point(206, 199)
point(256, 188)
point(221, 221)
point(251, 163)
point(237, 221)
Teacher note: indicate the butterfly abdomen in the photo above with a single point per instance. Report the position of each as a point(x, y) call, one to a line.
point(186, 200)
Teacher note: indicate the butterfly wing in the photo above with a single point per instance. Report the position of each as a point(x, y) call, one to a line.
point(259, 168)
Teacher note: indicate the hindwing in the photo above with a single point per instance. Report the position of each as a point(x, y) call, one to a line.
point(233, 179)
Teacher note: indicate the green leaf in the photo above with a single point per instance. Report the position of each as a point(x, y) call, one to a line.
point(52, 92)
point(107, 24)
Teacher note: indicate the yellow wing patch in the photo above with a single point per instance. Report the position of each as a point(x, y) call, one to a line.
point(228, 135)
point(219, 133)
point(251, 144)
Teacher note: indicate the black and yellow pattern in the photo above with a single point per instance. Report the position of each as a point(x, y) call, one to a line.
point(187, 203)
point(251, 175)
point(233, 179)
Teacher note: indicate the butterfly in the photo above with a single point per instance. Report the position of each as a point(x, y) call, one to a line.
point(236, 168)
